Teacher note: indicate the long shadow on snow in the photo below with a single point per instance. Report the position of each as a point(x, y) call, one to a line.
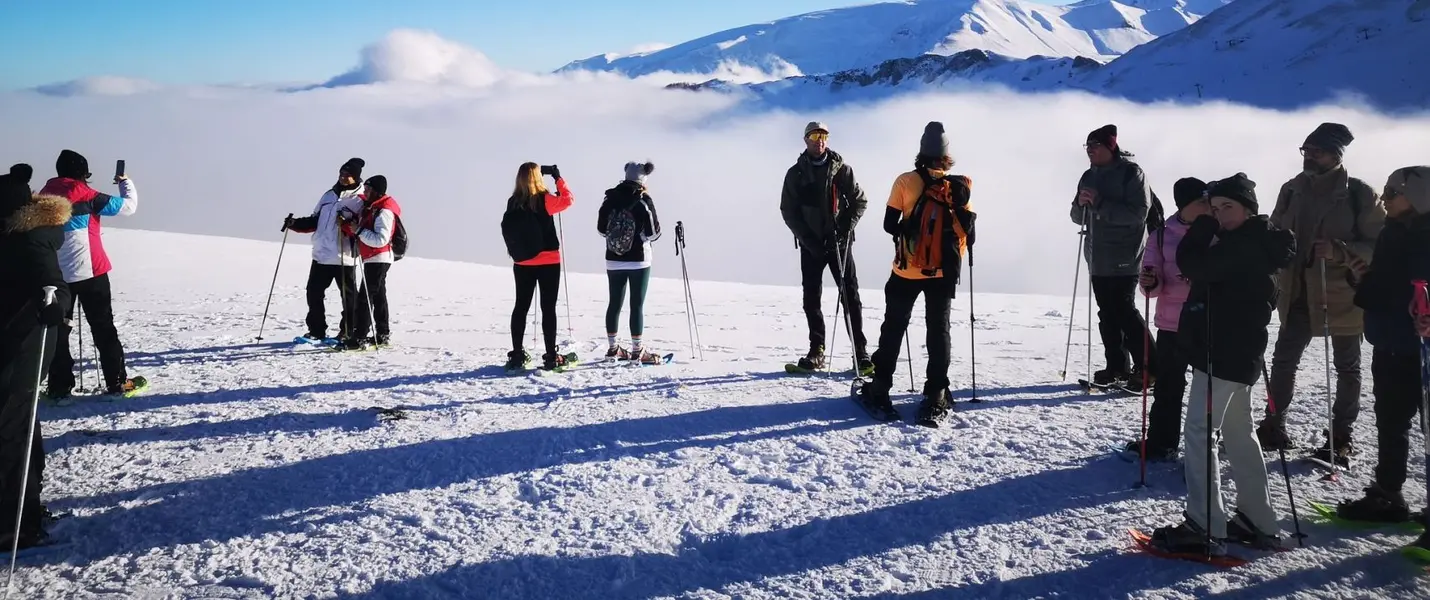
point(253, 502)
point(288, 422)
point(1108, 574)
point(717, 562)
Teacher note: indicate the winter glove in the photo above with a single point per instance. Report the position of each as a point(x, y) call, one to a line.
point(52, 315)
point(346, 215)
point(555, 172)
point(966, 220)
point(287, 223)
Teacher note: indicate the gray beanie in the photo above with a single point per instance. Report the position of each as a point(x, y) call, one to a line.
point(934, 142)
point(1414, 182)
point(637, 172)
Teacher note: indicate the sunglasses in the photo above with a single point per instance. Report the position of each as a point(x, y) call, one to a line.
point(817, 136)
point(1090, 146)
point(1312, 152)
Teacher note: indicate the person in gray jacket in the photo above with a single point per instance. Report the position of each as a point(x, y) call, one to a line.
point(1112, 202)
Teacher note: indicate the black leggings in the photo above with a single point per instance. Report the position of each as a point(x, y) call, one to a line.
point(527, 280)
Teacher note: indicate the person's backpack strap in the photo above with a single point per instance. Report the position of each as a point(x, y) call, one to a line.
point(1355, 200)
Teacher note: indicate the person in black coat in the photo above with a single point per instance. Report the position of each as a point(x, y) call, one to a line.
point(1231, 260)
point(629, 222)
point(30, 236)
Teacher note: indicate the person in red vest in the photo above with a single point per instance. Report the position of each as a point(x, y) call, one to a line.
point(374, 228)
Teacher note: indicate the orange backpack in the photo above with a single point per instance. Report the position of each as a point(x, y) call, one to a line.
point(921, 239)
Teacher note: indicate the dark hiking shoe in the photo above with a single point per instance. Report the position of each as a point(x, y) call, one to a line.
point(517, 360)
point(352, 345)
point(935, 406)
point(814, 361)
point(866, 367)
point(875, 395)
point(383, 340)
point(1345, 448)
point(1109, 377)
point(1155, 453)
point(1271, 434)
point(552, 361)
point(1378, 506)
point(1134, 380)
point(1239, 530)
point(1187, 538)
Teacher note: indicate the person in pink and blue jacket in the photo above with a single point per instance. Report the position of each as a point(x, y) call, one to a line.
point(1162, 279)
point(86, 269)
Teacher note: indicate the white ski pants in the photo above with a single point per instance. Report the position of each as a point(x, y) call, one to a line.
point(1230, 413)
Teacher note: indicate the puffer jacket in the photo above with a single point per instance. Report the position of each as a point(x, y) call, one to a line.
point(1402, 255)
point(330, 246)
point(1118, 217)
point(817, 208)
point(1320, 206)
point(31, 235)
point(632, 196)
point(1172, 288)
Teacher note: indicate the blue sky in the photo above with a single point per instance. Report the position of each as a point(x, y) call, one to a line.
point(252, 41)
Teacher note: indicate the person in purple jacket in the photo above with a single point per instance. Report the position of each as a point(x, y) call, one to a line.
point(1162, 279)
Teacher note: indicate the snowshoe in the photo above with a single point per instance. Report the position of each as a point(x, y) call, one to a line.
point(553, 362)
point(1330, 514)
point(617, 353)
point(316, 340)
point(130, 388)
point(1323, 456)
point(1419, 550)
point(1132, 452)
point(1133, 384)
point(1239, 530)
point(1088, 386)
point(648, 358)
point(934, 409)
point(1109, 377)
point(1168, 542)
point(873, 397)
point(382, 341)
point(517, 361)
point(810, 363)
point(866, 367)
point(1378, 506)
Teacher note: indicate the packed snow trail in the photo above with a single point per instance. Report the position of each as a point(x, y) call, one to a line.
point(259, 470)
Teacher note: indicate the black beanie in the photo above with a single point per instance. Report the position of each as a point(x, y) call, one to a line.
point(934, 143)
point(353, 167)
point(1331, 137)
point(1105, 135)
point(72, 165)
point(378, 183)
point(1238, 187)
point(14, 194)
point(1188, 190)
point(22, 172)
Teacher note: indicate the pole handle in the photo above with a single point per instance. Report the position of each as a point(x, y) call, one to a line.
point(49, 294)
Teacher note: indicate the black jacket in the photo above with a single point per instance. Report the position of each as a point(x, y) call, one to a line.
point(820, 202)
point(630, 195)
point(1402, 255)
point(30, 237)
point(1223, 323)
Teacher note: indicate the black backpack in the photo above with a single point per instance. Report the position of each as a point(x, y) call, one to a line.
point(399, 240)
point(521, 230)
point(1156, 215)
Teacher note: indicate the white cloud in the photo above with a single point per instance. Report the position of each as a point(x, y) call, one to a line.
point(231, 161)
point(104, 85)
point(411, 56)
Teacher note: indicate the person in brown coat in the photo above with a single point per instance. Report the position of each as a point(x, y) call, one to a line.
point(1330, 213)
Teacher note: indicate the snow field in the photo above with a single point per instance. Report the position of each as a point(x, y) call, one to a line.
point(258, 470)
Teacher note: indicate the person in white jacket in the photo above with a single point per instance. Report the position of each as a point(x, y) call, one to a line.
point(380, 241)
point(334, 255)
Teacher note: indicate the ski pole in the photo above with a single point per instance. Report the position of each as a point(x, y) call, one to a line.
point(1209, 464)
point(972, 321)
point(1146, 359)
point(909, 354)
point(49, 298)
point(1285, 471)
point(842, 255)
point(79, 328)
point(1091, 251)
point(565, 283)
point(347, 314)
point(1422, 309)
point(691, 316)
point(1330, 398)
point(274, 285)
point(1072, 312)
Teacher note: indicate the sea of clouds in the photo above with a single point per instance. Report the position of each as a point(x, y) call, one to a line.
point(448, 128)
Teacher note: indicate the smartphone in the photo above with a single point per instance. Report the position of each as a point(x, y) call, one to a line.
point(546, 169)
point(119, 168)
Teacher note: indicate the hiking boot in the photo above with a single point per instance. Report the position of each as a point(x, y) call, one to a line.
point(1271, 434)
point(1109, 376)
point(517, 360)
point(1187, 538)
point(647, 357)
point(316, 337)
point(617, 353)
point(383, 340)
point(1378, 506)
point(814, 361)
point(1239, 530)
point(1155, 453)
point(129, 386)
point(352, 344)
point(866, 366)
point(936, 404)
point(1344, 449)
point(875, 395)
point(552, 361)
point(1134, 380)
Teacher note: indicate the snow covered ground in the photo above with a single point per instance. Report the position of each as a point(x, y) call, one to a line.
point(256, 470)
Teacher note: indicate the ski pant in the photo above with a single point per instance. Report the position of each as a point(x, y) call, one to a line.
point(528, 278)
point(1231, 413)
point(320, 276)
point(1120, 324)
point(1291, 342)
point(638, 280)
point(19, 365)
point(374, 290)
point(811, 268)
point(1164, 420)
point(95, 301)
point(899, 297)
point(1396, 379)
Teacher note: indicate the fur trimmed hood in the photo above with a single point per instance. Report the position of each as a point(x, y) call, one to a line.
point(41, 211)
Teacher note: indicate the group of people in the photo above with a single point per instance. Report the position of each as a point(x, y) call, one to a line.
point(1332, 259)
point(52, 239)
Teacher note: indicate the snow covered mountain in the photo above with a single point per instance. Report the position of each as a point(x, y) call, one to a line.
point(1280, 54)
point(862, 36)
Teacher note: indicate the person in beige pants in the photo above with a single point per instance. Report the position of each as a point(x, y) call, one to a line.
point(1230, 260)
